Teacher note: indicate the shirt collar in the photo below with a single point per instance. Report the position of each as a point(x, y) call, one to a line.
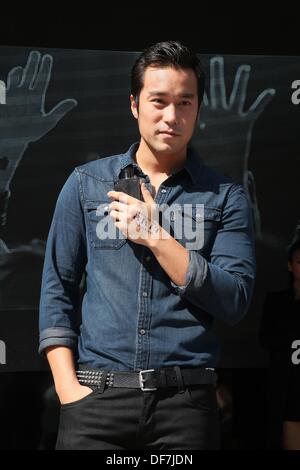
point(193, 163)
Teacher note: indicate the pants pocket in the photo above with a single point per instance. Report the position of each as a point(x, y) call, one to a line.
point(202, 397)
point(82, 400)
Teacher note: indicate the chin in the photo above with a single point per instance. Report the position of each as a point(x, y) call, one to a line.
point(164, 147)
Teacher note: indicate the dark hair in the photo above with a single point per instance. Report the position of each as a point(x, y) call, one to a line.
point(166, 54)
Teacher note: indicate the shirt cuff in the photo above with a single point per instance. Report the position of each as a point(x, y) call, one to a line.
point(57, 336)
point(196, 273)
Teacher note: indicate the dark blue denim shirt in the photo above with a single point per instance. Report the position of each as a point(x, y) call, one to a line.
point(132, 316)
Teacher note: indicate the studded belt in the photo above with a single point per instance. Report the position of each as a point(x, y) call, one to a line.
point(147, 380)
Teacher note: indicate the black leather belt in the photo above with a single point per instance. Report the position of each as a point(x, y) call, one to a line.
point(147, 380)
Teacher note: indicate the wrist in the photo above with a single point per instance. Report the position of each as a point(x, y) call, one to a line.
point(64, 385)
point(157, 238)
point(12, 150)
point(10, 155)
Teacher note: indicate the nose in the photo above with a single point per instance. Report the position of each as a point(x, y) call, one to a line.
point(170, 114)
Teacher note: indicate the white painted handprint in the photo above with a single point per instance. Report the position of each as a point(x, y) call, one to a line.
point(226, 127)
point(23, 118)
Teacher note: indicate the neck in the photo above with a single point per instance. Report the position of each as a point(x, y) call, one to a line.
point(153, 163)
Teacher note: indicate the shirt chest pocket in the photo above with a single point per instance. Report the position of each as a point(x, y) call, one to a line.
point(194, 226)
point(101, 230)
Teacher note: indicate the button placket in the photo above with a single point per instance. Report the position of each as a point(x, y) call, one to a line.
point(144, 314)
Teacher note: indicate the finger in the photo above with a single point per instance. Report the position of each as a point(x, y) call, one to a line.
point(146, 194)
point(239, 90)
point(122, 197)
point(30, 70)
point(205, 101)
point(217, 83)
point(14, 77)
point(119, 206)
point(262, 101)
point(203, 111)
point(115, 215)
point(120, 226)
point(62, 108)
point(42, 81)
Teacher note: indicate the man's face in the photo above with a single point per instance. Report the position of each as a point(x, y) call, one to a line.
point(168, 108)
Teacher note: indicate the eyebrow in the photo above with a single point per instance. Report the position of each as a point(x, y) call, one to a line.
point(163, 93)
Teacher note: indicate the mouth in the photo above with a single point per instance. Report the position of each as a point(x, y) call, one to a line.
point(169, 134)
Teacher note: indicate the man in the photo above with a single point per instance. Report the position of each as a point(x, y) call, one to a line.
point(146, 350)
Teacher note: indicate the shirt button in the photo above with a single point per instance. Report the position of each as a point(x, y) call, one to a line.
point(145, 294)
point(163, 191)
point(142, 331)
point(148, 258)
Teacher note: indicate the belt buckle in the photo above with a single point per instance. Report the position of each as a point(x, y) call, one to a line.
point(142, 380)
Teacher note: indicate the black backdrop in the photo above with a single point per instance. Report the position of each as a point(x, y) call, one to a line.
point(100, 124)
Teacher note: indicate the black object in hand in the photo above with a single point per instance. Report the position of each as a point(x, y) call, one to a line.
point(129, 183)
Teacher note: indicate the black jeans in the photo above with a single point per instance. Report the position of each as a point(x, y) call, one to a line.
point(123, 418)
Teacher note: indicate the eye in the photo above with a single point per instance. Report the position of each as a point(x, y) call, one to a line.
point(157, 100)
point(185, 103)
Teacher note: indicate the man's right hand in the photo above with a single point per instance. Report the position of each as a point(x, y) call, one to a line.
point(73, 393)
point(67, 386)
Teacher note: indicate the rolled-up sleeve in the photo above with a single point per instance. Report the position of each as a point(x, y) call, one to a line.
point(64, 264)
point(222, 285)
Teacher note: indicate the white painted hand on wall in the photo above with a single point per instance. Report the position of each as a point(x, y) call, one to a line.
point(23, 118)
point(226, 126)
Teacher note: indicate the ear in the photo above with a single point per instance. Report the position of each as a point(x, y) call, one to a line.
point(133, 106)
point(290, 266)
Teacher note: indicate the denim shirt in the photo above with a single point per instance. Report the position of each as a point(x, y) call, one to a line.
point(132, 316)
